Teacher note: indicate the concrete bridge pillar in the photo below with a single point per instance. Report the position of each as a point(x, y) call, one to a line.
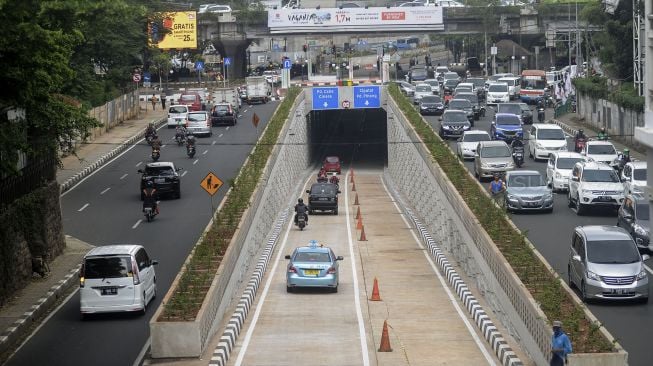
point(236, 50)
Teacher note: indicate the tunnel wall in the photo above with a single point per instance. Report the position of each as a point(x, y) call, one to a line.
point(426, 188)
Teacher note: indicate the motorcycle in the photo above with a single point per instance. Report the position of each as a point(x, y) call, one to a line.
point(180, 138)
point(190, 151)
point(540, 114)
point(149, 213)
point(149, 138)
point(579, 145)
point(301, 221)
point(156, 154)
point(518, 156)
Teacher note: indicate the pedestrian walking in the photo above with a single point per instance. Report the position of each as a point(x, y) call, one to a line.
point(560, 345)
point(154, 100)
point(163, 100)
point(497, 189)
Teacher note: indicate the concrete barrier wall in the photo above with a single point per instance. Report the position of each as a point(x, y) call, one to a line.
point(453, 225)
point(284, 169)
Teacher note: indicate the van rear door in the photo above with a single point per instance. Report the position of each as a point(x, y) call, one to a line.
point(108, 281)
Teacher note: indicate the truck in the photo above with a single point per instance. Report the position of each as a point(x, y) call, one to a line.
point(258, 89)
point(226, 95)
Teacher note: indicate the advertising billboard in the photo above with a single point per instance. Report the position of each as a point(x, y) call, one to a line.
point(180, 30)
point(355, 19)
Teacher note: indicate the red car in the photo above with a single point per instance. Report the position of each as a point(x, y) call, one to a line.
point(331, 164)
point(193, 101)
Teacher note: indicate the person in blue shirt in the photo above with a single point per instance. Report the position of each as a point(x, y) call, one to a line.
point(560, 345)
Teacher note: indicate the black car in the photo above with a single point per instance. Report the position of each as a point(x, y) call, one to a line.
point(478, 108)
point(323, 197)
point(454, 123)
point(633, 216)
point(431, 105)
point(223, 114)
point(449, 86)
point(463, 105)
point(164, 176)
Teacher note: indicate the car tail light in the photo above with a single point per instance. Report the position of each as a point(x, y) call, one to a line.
point(292, 269)
point(331, 270)
point(81, 275)
point(137, 279)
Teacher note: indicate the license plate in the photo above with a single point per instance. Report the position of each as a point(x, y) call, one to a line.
point(159, 180)
point(324, 199)
point(178, 120)
point(311, 272)
point(619, 291)
point(109, 291)
point(604, 198)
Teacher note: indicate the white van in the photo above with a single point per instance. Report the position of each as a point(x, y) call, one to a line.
point(514, 85)
point(177, 115)
point(116, 278)
point(497, 93)
point(553, 77)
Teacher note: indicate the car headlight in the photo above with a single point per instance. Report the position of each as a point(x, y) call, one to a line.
point(512, 197)
point(445, 127)
point(593, 276)
point(539, 146)
point(485, 165)
point(548, 196)
point(558, 175)
point(642, 274)
point(640, 230)
point(510, 164)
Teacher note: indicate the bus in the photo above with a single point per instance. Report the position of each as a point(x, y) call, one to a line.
point(533, 84)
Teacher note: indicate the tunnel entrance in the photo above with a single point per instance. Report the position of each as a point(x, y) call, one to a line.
point(358, 136)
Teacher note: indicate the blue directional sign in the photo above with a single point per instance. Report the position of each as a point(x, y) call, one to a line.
point(325, 98)
point(227, 61)
point(199, 65)
point(287, 64)
point(366, 97)
point(146, 76)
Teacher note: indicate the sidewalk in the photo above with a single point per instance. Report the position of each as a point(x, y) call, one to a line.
point(33, 303)
point(571, 124)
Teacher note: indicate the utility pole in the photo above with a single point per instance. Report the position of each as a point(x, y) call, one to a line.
point(569, 32)
point(485, 52)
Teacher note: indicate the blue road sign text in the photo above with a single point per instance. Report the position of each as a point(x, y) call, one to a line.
point(325, 98)
point(367, 97)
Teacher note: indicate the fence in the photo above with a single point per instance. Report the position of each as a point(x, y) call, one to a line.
point(32, 176)
point(114, 112)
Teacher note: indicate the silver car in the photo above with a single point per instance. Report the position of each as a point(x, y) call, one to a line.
point(604, 263)
point(526, 190)
point(199, 123)
point(492, 157)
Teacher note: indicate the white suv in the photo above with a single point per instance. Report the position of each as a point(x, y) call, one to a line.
point(558, 168)
point(497, 93)
point(593, 184)
point(601, 151)
point(177, 115)
point(545, 139)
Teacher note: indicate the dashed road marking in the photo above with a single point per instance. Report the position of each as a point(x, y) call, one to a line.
point(213, 143)
point(184, 173)
point(227, 129)
point(195, 162)
point(205, 151)
point(83, 207)
point(123, 176)
point(136, 224)
point(105, 191)
point(220, 135)
point(139, 163)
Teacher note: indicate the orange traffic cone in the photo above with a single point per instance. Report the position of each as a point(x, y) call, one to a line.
point(353, 187)
point(358, 213)
point(385, 339)
point(375, 291)
point(356, 201)
point(359, 224)
point(362, 238)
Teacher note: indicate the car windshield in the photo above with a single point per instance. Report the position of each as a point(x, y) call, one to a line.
point(423, 88)
point(222, 108)
point(476, 137)
point(159, 170)
point(639, 174)
point(463, 89)
point(433, 83)
point(312, 257)
point(495, 152)
point(498, 88)
point(188, 98)
point(533, 83)
point(568, 163)
point(525, 180)
point(604, 176)
point(332, 159)
point(450, 75)
point(509, 108)
point(550, 134)
point(177, 110)
point(459, 104)
point(524, 107)
point(612, 252)
point(107, 267)
point(450, 83)
point(431, 99)
point(601, 149)
point(509, 119)
point(196, 117)
point(441, 69)
point(454, 117)
point(642, 211)
point(418, 72)
point(476, 82)
point(468, 96)
point(326, 189)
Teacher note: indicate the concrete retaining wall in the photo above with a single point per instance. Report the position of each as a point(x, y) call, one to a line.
point(434, 198)
point(284, 169)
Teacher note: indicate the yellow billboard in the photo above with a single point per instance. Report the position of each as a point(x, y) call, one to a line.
point(179, 30)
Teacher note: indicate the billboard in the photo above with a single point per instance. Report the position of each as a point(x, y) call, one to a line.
point(355, 19)
point(180, 30)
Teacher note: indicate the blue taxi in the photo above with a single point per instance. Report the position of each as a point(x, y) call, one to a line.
point(314, 265)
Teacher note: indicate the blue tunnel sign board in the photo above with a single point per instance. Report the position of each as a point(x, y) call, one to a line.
point(367, 97)
point(325, 98)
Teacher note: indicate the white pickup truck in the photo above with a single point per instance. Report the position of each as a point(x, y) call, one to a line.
point(258, 89)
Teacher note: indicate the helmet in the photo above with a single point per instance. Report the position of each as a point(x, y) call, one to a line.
point(149, 184)
point(626, 151)
point(301, 200)
point(581, 131)
point(602, 129)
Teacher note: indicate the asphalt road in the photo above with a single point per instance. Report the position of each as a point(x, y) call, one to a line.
point(106, 209)
point(630, 323)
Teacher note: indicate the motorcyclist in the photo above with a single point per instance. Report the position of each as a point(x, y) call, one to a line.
point(322, 179)
point(301, 208)
point(149, 194)
point(156, 143)
point(180, 132)
point(625, 156)
point(150, 131)
point(334, 179)
point(190, 141)
point(622, 160)
point(602, 136)
point(580, 134)
point(517, 144)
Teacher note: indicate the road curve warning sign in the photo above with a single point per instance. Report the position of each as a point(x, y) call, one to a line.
point(211, 183)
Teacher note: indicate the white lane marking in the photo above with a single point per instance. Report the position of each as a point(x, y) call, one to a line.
point(195, 162)
point(136, 224)
point(220, 135)
point(162, 146)
point(213, 143)
point(245, 111)
point(184, 173)
point(259, 306)
point(445, 285)
point(359, 314)
point(227, 129)
point(205, 151)
point(139, 163)
point(141, 354)
point(648, 269)
point(83, 207)
point(123, 176)
point(105, 191)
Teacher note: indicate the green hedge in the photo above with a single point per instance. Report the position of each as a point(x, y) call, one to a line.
point(203, 265)
point(543, 286)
